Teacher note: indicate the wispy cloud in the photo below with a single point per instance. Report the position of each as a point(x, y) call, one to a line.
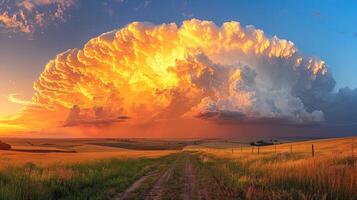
point(108, 6)
point(26, 16)
point(187, 15)
point(143, 5)
point(15, 98)
point(16, 21)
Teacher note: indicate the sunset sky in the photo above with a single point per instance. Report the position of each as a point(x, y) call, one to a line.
point(155, 66)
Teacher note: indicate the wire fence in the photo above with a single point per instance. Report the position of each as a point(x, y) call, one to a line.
point(311, 148)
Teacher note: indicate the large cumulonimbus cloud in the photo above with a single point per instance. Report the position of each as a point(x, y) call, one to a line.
point(198, 70)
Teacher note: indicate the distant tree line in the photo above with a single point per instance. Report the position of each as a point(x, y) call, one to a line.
point(4, 146)
point(265, 142)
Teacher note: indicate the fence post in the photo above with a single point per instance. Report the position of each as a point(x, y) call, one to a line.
point(232, 150)
point(291, 148)
point(252, 149)
point(241, 148)
point(258, 149)
point(353, 159)
point(353, 165)
point(312, 150)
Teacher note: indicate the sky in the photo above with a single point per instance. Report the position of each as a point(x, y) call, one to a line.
point(32, 32)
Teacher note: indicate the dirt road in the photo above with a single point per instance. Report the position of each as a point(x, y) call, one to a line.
point(190, 182)
point(158, 189)
point(178, 180)
point(130, 191)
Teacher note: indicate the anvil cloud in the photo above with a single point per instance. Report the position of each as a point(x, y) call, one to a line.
point(145, 72)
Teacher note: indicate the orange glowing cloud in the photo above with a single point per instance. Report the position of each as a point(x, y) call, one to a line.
point(143, 73)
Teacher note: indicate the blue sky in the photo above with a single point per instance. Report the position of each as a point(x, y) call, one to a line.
point(325, 29)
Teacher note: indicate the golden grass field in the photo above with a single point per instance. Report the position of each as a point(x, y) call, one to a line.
point(84, 152)
point(187, 169)
point(330, 174)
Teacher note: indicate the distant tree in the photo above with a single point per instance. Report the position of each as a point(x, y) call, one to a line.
point(261, 143)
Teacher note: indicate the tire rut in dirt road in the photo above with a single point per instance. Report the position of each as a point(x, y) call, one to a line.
point(159, 187)
point(194, 189)
point(190, 182)
point(128, 192)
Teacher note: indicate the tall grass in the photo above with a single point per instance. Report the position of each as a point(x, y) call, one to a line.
point(96, 180)
point(283, 175)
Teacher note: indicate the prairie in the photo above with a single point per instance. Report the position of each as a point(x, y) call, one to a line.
point(178, 169)
point(69, 151)
point(285, 171)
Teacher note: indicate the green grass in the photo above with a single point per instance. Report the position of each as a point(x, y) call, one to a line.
point(96, 180)
point(265, 176)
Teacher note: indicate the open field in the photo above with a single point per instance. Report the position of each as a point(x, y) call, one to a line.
point(186, 169)
point(287, 171)
point(46, 152)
